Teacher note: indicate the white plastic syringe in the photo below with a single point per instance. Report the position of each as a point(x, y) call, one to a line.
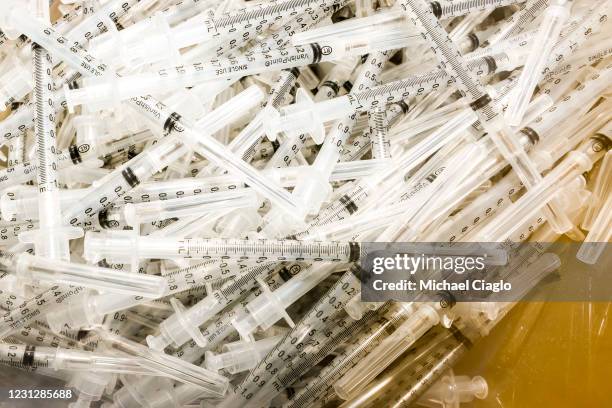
point(576, 162)
point(104, 92)
point(128, 176)
point(517, 22)
point(307, 118)
point(541, 47)
point(52, 238)
point(89, 309)
point(311, 332)
point(136, 214)
point(211, 383)
point(125, 246)
point(37, 269)
point(270, 307)
point(199, 141)
point(396, 18)
point(184, 324)
point(27, 356)
point(240, 356)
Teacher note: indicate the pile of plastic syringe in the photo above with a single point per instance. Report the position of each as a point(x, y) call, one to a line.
point(186, 186)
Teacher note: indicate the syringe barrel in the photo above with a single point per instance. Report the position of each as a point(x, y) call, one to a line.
point(599, 236)
point(171, 330)
point(296, 287)
point(410, 378)
point(602, 188)
point(14, 84)
point(210, 383)
point(386, 352)
point(189, 206)
point(240, 355)
point(103, 279)
point(541, 47)
point(584, 95)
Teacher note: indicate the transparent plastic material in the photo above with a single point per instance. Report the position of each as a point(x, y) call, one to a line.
point(241, 355)
point(601, 189)
point(122, 246)
point(548, 33)
point(271, 306)
point(38, 269)
point(452, 390)
point(231, 163)
point(423, 319)
point(600, 235)
point(210, 383)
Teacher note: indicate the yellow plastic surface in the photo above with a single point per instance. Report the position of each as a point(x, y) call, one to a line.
point(546, 355)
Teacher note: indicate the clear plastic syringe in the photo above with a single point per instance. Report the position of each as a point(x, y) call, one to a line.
point(103, 92)
point(424, 318)
point(136, 214)
point(28, 356)
point(490, 118)
point(600, 224)
point(349, 355)
point(37, 269)
point(143, 166)
point(270, 307)
point(184, 324)
point(152, 109)
point(517, 22)
point(541, 47)
point(575, 163)
point(602, 188)
point(89, 309)
point(192, 186)
point(126, 246)
point(307, 118)
point(20, 120)
point(300, 357)
point(317, 178)
point(240, 355)
point(394, 17)
point(51, 239)
point(216, 331)
point(249, 22)
point(438, 349)
point(27, 312)
point(340, 211)
point(323, 319)
point(26, 171)
point(211, 383)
